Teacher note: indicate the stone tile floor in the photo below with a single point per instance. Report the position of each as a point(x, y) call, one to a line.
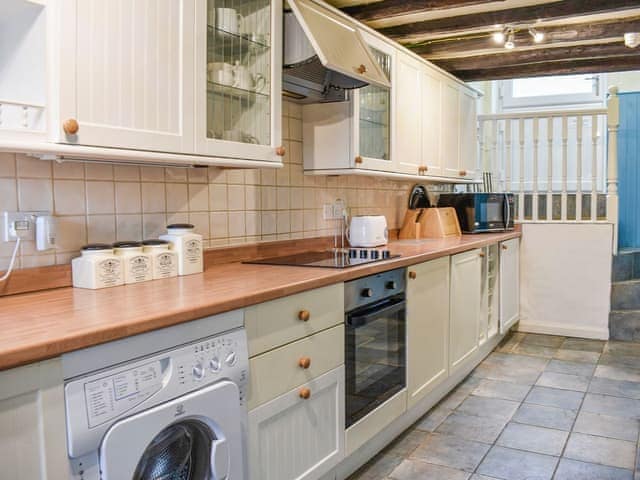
point(540, 407)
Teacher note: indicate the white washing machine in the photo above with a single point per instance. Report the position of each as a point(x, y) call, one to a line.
point(156, 411)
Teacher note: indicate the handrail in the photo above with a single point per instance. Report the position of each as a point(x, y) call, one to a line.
point(20, 104)
point(542, 114)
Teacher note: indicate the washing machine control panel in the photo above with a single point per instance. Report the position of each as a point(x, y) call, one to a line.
point(110, 394)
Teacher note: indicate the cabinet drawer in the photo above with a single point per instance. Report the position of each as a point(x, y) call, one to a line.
point(291, 438)
point(275, 323)
point(278, 371)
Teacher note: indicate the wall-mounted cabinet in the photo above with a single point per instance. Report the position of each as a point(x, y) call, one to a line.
point(195, 80)
point(426, 122)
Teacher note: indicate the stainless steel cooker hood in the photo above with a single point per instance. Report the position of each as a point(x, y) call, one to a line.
point(325, 55)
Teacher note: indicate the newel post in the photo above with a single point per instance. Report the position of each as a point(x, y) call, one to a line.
point(613, 120)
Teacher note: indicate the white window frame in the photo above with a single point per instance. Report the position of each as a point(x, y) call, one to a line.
point(509, 102)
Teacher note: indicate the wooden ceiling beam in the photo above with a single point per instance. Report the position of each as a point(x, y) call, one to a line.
point(391, 8)
point(540, 56)
point(543, 69)
point(457, 47)
point(531, 14)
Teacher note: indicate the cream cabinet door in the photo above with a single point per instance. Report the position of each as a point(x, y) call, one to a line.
point(450, 133)
point(469, 154)
point(465, 303)
point(427, 327)
point(127, 74)
point(293, 438)
point(509, 283)
point(432, 125)
point(408, 143)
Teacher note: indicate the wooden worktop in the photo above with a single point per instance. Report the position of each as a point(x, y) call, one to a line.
point(40, 325)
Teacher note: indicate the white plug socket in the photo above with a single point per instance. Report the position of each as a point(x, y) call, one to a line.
point(19, 225)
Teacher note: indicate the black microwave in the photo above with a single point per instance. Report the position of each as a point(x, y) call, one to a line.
point(481, 212)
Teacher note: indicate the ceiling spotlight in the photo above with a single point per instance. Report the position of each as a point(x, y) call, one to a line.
point(632, 39)
point(498, 37)
point(537, 36)
point(510, 44)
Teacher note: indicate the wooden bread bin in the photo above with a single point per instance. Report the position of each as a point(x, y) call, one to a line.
point(430, 223)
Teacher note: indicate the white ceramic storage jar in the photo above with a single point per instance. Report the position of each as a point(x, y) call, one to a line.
point(164, 262)
point(136, 263)
point(188, 246)
point(97, 267)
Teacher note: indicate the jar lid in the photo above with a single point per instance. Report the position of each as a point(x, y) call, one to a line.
point(96, 246)
point(127, 244)
point(177, 226)
point(154, 242)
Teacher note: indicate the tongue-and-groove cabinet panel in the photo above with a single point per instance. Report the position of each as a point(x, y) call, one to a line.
point(127, 74)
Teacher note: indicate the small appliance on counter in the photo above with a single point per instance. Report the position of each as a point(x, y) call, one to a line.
point(481, 211)
point(423, 220)
point(368, 231)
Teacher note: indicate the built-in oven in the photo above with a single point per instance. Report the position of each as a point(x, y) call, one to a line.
point(481, 211)
point(375, 343)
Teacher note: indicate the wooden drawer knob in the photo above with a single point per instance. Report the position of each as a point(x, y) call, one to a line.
point(462, 173)
point(412, 275)
point(505, 247)
point(422, 169)
point(358, 160)
point(361, 69)
point(280, 151)
point(304, 393)
point(304, 362)
point(481, 254)
point(304, 315)
point(70, 126)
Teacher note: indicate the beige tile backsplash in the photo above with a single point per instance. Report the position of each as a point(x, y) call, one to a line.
point(105, 203)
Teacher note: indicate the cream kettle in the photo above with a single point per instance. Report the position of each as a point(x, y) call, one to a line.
point(368, 231)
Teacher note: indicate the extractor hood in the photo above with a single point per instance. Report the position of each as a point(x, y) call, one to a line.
point(325, 55)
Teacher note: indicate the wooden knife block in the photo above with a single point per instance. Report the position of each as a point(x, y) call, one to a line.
point(430, 223)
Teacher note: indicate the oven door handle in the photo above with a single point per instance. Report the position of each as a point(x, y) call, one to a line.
point(360, 320)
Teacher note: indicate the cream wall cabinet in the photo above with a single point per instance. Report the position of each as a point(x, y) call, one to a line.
point(427, 327)
point(300, 434)
point(32, 423)
point(465, 302)
point(408, 143)
point(509, 283)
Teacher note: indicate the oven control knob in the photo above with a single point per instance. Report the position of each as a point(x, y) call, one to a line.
point(214, 364)
point(198, 371)
point(392, 285)
point(367, 292)
point(231, 358)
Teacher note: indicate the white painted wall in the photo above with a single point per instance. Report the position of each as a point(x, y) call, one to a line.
point(566, 279)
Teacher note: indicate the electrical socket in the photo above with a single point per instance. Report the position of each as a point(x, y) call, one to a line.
point(19, 225)
point(327, 211)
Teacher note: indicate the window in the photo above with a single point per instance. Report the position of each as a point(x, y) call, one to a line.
point(566, 90)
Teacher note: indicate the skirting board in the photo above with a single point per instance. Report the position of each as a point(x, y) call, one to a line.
point(565, 331)
point(354, 461)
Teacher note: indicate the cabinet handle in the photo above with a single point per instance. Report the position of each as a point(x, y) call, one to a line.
point(358, 160)
point(481, 254)
point(412, 275)
point(304, 315)
point(304, 362)
point(304, 393)
point(505, 247)
point(361, 69)
point(280, 151)
point(422, 169)
point(70, 126)
point(462, 173)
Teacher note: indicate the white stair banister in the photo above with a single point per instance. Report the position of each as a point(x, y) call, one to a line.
point(613, 121)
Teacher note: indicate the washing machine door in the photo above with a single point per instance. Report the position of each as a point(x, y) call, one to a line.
point(194, 437)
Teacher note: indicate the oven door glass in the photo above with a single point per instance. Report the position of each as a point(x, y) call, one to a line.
point(375, 347)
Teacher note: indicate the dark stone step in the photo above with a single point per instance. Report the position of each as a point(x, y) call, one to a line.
point(624, 325)
point(626, 266)
point(625, 295)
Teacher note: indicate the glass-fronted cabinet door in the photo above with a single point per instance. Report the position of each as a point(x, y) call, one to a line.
point(373, 113)
point(238, 82)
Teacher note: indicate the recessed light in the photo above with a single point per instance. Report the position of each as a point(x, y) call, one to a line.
point(537, 36)
point(498, 37)
point(510, 44)
point(632, 39)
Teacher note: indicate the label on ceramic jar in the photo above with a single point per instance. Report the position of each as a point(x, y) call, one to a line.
point(109, 272)
point(193, 251)
point(165, 264)
point(139, 267)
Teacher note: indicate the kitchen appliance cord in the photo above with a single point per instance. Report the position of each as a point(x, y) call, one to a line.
point(6, 275)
